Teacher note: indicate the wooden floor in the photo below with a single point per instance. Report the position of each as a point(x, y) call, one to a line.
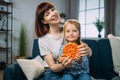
point(1, 74)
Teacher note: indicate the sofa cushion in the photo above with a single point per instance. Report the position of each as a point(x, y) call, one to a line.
point(32, 68)
point(35, 49)
point(94, 61)
point(106, 58)
point(115, 46)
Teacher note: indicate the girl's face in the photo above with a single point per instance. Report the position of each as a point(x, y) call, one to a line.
point(71, 32)
point(51, 16)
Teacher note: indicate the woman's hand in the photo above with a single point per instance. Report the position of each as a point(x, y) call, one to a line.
point(84, 50)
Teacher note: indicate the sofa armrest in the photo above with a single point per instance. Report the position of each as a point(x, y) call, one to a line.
point(8, 72)
point(106, 60)
point(14, 72)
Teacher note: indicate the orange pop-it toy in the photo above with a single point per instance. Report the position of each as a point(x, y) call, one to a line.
point(70, 49)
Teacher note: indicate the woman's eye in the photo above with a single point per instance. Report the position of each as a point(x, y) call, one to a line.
point(52, 9)
point(46, 13)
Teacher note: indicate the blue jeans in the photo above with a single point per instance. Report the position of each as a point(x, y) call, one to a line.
point(50, 75)
point(82, 76)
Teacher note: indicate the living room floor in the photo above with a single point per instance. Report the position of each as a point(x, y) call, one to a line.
point(1, 74)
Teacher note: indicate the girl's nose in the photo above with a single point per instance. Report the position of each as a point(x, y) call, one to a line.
point(71, 32)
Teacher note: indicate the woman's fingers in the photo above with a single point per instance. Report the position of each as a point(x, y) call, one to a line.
point(83, 49)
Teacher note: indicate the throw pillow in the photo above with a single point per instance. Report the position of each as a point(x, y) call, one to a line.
point(32, 68)
point(115, 46)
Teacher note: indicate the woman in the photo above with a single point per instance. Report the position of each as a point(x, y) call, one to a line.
point(47, 28)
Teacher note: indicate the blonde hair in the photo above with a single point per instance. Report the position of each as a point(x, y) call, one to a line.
point(74, 22)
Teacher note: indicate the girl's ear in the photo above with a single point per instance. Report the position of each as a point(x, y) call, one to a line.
point(44, 21)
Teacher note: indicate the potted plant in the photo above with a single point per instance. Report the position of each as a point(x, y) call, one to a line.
point(99, 25)
point(63, 16)
point(22, 42)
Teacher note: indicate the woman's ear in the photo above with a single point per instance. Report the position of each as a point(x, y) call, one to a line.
point(44, 21)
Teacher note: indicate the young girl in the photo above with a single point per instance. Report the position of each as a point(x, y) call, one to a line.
point(79, 70)
point(48, 29)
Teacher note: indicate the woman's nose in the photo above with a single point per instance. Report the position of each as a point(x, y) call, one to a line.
point(52, 13)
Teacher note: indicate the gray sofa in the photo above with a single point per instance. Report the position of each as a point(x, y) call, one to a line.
point(101, 64)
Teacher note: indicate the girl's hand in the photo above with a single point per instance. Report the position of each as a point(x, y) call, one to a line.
point(60, 58)
point(67, 62)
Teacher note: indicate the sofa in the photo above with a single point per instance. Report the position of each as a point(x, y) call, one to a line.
point(101, 63)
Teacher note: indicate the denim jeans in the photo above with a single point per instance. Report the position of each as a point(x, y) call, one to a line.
point(82, 76)
point(50, 75)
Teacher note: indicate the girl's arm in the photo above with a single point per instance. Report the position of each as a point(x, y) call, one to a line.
point(67, 62)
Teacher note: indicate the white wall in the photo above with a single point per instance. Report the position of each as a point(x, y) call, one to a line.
point(117, 22)
point(24, 13)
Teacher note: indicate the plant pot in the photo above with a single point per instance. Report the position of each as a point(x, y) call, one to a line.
point(99, 35)
point(20, 57)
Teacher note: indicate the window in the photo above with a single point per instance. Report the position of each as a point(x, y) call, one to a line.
point(89, 12)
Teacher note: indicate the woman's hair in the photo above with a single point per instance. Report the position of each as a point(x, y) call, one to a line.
point(40, 28)
point(74, 22)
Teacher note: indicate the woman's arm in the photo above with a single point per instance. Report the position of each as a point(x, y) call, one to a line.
point(89, 52)
point(84, 50)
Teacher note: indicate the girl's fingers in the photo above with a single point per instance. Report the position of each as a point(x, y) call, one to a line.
point(67, 62)
point(60, 58)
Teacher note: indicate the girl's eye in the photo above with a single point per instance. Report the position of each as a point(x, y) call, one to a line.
point(67, 31)
point(74, 30)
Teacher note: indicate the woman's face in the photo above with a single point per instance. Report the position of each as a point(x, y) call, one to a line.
point(71, 32)
point(51, 16)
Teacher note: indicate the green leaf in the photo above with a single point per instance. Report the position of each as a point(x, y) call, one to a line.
point(22, 41)
point(99, 25)
point(63, 15)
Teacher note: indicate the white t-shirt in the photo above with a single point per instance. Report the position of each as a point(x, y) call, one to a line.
point(49, 44)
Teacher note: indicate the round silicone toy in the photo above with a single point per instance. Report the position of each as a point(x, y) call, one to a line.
point(70, 49)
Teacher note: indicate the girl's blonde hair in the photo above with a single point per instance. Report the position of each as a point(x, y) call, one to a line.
point(74, 22)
